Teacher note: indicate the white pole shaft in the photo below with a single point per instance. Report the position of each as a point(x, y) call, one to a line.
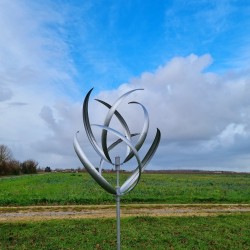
point(118, 215)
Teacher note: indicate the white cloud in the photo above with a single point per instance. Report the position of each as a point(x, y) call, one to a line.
point(198, 113)
point(35, 68)
point(204, 117)
point(227, 136)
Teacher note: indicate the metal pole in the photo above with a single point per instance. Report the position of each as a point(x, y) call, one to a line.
point(117, 167)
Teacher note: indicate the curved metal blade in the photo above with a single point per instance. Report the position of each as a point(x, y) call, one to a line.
point(89, 130)
point(108, 119)
point(152, 149)
point(143, 134)
point(139, 167)
point(103, 151)
point(91, 169)
point(131, 182)
point(110, 148)
point(121, 120)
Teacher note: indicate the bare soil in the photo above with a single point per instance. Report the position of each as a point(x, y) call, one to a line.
point(39, 213)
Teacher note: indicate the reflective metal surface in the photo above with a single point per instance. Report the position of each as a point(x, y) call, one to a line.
point(125, 136)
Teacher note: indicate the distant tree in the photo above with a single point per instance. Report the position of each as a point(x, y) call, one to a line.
point(5, 154)
point(9, 166)
point(3, 168)
point(14, 167)
point(47, 169)
point(5, 159)
point(29, 167)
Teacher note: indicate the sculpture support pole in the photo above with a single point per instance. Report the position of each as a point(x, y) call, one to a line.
point(132, 150)
point(118, 215)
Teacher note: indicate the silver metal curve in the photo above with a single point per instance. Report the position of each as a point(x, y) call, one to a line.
point(152, 148)
point(144, 132)
point(88, 129)
point(123, 138)
point(121, 120)
point(128, 185)
point(110, 148)
point(137, 174)
point(91, 169)
point(108, 119)
point(103, 151)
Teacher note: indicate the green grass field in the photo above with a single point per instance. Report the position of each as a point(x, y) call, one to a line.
point(213, 232)
point(220, 232)
point(71, 188)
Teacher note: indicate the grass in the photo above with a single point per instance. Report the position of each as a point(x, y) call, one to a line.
point(220, 232)
point(71, 188)
point(214, 232)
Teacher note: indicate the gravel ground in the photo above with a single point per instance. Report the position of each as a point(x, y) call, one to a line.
point(34, 213)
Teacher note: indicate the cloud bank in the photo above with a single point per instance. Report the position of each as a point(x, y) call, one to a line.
point(204, 116)
point(35, 70)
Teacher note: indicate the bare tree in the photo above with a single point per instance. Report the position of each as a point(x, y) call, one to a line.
point(5, 154)
point(29, 167)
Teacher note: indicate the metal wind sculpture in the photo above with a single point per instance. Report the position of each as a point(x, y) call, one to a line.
point(104, 151)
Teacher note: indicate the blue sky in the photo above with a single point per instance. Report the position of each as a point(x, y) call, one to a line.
point(131, 37)
point(191, 57)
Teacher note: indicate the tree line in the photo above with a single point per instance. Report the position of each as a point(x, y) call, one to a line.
point(10, 166)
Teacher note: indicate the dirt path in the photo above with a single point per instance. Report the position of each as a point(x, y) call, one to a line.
point(34, 213)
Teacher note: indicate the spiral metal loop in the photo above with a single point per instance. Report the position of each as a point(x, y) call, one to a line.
point(103, 151)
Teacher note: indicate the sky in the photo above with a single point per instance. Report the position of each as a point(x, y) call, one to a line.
point(192, 58)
